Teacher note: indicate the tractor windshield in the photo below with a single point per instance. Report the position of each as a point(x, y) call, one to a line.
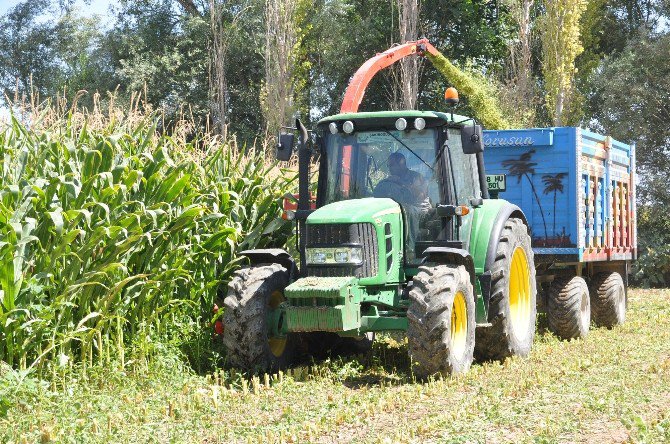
point(400, 165)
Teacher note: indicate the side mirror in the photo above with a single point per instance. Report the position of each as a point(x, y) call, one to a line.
point(472, 139)
point(285, 146)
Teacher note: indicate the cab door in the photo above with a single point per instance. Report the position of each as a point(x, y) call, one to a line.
point(464, 178)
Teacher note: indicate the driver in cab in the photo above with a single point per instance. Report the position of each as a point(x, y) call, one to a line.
point(410, 190)
point(405, 186)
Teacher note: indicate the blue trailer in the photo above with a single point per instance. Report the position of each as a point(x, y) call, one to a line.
point(577, 191)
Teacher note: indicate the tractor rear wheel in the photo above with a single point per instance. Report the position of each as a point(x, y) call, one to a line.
point(512, 306)
point(252, 294)
point(608, 299)
point(441, 315)
point(569, 307)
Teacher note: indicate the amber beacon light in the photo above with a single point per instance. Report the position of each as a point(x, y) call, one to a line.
point(451, 96)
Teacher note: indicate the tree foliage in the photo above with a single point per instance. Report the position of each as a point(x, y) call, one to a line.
point(630, 99)
point(561, 45)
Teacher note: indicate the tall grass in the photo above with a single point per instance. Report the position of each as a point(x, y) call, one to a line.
point(108, 228)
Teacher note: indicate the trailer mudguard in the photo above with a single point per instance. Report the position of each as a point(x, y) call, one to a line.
point(272, 256)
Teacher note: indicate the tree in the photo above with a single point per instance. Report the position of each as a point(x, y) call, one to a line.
point(281, 41)
point(630, 99)
point(408, 11)
point(223, 22)
point(473, 34)
point(520, 89)
point(560, 46)
point(164, 53)
point(60, 57)
point(28, 62)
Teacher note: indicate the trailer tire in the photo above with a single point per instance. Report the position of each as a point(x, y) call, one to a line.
point(252, 292)
point(569, 307)
point(513, 303)
point(441, 321)
point(608, 299)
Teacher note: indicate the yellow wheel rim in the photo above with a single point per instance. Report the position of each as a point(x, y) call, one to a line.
point(277, 345)
point(459, 324)
point(519, 293)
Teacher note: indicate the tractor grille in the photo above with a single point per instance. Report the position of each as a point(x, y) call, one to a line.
point(333, 235)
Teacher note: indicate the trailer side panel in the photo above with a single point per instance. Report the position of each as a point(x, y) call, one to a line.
point(575, 186)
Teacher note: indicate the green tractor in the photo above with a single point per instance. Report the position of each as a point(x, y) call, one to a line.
point(402, 237)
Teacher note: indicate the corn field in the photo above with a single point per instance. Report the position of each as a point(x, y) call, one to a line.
point(108, 230)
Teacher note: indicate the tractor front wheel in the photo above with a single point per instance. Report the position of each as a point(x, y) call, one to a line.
point(441, 321)
point(252, 294)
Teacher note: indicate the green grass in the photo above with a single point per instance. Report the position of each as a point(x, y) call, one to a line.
point(612, 387)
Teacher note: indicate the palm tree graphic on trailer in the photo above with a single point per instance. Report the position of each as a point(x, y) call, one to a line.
point(523, 167)
point(553, 183)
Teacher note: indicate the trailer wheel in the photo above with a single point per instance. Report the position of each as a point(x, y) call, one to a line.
point(252, 293)
point(512, 306)
point(569, 307)
point(441, 321)
point(608, 299)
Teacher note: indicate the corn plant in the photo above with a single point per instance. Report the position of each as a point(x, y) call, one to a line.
point(106, 233)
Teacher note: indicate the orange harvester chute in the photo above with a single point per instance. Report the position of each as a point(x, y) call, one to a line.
point(356, 89)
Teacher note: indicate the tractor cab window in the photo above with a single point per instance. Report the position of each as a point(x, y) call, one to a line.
point(400, 165)
point(382, 164)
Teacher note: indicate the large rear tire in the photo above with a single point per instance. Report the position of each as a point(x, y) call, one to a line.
point(441, 315)
point(512, 306)
point(569, 307)
point(608, 299)
point(252, 293)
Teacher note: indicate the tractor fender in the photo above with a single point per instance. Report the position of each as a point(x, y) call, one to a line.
point(507, 211)
point(455, 256)
point(272, 256)
point(487, 226)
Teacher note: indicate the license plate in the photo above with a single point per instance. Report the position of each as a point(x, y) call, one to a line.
point(496, 182)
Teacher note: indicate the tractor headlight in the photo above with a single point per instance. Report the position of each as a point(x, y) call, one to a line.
point(348, 255)
point(333, 128)
point(316, 256)
point(401, 124)
point(339, 255)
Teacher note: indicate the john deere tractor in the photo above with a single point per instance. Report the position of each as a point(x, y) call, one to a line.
point(402, 237)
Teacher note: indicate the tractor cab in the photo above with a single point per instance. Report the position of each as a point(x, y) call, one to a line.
point(423, 161)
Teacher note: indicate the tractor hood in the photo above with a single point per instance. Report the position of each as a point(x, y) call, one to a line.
point(370, 209)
